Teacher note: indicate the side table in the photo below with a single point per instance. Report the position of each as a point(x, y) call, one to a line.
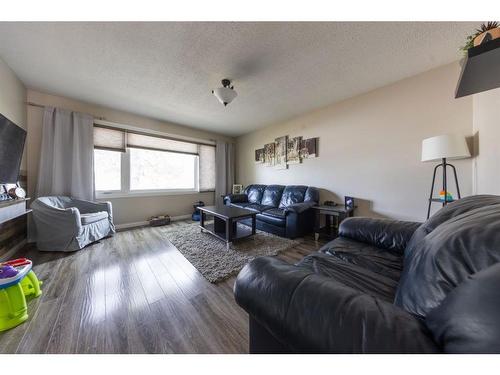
point(333, 217)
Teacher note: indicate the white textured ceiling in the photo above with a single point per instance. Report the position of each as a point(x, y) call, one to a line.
point(166, 70)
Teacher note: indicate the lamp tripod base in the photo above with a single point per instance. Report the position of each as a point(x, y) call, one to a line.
point(444, 165)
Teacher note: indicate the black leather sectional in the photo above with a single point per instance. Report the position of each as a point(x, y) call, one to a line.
point(282, 210)
point(384, 286)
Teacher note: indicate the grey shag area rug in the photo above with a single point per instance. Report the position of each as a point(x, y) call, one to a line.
point(210, 256)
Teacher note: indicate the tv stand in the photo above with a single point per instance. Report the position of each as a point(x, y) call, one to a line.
point(13, 226)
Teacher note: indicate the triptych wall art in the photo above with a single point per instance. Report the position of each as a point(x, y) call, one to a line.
point(285, 151)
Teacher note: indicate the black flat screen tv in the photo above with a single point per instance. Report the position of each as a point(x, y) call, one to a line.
point(12, 139)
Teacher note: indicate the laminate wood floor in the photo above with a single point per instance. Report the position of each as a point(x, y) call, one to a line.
point(132, 293)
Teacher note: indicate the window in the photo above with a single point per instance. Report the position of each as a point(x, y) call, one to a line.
point(128, 162)
point(162, 170)
point(108, 170)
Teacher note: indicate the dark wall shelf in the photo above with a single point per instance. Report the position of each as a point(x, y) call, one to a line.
point(480, 70)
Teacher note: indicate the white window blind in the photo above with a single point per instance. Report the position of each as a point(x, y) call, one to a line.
point(109, 139)
point(161, 144)
point(207, 168)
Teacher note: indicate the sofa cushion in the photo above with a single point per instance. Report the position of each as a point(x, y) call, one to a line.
point(351, 275)
point(93, 217)
point(291, 195)
point(437, 262)
point(272, 195)
point(312, 194)
point(386, 263)
point(275, 212)
point(240, 205)
point(255, 193)
point(270, 219)
point(257, 207)
point(450, 211)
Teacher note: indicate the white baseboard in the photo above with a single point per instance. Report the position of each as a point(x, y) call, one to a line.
point(138, 224)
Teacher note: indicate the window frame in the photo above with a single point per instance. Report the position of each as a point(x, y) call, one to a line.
point(126, 192)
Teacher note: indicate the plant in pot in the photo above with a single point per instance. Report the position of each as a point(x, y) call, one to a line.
point(486, 32)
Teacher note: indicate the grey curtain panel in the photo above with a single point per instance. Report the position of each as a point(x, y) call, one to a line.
point(224, 169)
point(67, 159)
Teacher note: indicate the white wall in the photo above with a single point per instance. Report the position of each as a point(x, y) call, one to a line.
point(130, 209)
point(369, 145)
point(486, 107)
point(12, 99)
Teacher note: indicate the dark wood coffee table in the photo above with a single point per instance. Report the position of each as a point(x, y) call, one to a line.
point(225, 225)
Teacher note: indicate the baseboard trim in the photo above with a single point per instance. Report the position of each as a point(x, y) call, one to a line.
point(139, 224)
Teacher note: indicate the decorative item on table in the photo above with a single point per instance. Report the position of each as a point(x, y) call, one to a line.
point(259, 156)
point(293, 150)
point(445, 196)
point(17, 192)
point(196, 213)
point(330, 203)
point(17, 281)
point(280, 152)
point(269, 155)
point(349, 203)
point(158, 221)
point(309, 148)
point(237, 189)
point(4, 195)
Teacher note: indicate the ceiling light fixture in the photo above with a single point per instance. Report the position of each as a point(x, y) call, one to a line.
point(225, 94)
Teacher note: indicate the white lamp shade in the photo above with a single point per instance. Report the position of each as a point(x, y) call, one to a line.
point(449, 146)
point(225, 95)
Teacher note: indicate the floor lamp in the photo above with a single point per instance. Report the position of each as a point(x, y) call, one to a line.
point(442, 148)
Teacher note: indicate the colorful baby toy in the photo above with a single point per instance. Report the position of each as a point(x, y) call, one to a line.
point(449, 197)
point(17, 281)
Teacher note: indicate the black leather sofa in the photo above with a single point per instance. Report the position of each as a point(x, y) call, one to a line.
point(384, 286)
point(282, 210)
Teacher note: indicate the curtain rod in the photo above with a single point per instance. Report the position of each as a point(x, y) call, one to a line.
point(114, 124)
point(43, 106)
point(35, 105)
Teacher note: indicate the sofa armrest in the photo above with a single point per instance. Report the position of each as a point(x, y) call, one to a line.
point(299, 207)
point(235, 198)
point(468, 319)
point(312, 313)
point(385, 233)
point(56, 228)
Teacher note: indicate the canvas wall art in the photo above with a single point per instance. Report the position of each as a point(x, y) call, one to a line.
point(286, 150)
point(259, 156)
point(280, 152)
point(309, 148)
point(293, 150)
point(269, 157)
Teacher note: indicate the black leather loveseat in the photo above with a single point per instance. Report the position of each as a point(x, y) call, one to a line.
point(282, 210)
point(385, 286)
